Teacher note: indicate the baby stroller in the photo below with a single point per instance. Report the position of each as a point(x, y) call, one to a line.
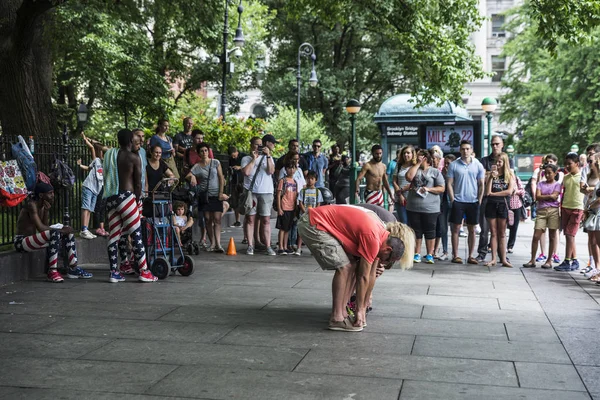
point(186, 195)
point(163, 248)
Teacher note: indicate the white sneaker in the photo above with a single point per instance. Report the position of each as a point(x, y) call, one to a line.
point(87, 234)
point(462, 233)
point(444, 257)
point(592, 273)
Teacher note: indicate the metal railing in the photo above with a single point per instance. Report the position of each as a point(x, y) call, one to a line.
point(45, 151)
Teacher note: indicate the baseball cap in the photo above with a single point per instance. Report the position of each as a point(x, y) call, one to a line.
point(269, 138)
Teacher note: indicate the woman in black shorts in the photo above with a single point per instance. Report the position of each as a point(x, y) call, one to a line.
point(207, 173)
point(498, 188)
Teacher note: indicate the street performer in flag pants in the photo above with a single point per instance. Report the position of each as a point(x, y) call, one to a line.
point(34, 233)
point(374, 171)
point(122, 191)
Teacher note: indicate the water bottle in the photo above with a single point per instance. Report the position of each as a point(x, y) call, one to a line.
point(31, 144)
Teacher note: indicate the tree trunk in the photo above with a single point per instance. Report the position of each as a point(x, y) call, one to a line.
point(26, 69)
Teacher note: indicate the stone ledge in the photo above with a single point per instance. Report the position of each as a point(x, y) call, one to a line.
point(15, 267)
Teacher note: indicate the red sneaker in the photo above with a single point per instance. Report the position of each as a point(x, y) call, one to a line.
point(54, 276)
point(126, 268)
point(146, 276)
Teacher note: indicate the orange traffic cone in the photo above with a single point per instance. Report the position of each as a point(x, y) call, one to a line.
point(231, 248)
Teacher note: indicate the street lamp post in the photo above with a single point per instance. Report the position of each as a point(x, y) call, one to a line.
point(239, 41)
point(489, 105)
point(306, 50)
point(353, 107)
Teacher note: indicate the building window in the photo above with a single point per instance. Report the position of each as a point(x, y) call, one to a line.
point(498, 68)
point(498, 26)
point(260, 111)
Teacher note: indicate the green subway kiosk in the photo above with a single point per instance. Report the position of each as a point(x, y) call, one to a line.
point(400, 124)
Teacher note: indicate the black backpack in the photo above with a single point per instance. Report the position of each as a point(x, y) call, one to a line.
point(527, 198)
point(61, 175)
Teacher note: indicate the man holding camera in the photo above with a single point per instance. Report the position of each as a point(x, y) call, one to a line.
point(260, 164)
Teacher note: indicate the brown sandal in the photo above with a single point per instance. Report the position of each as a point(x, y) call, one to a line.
point(457, 260)
point(473, 260)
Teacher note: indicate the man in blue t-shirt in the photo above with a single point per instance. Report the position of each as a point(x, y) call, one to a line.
point(465, 180)
point(316, 161)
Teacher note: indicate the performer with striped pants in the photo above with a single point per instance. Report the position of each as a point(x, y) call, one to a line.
point(122, 172)
point(375, 173)
point(33, 233)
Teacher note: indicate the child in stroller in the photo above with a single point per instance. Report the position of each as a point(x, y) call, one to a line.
point(183, 223)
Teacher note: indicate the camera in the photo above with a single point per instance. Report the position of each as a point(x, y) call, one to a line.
point(260, 149)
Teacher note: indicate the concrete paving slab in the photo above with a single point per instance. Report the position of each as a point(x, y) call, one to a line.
point(148, 330)
point(490, 350)
point(519, 304)
point(549, 376)
point(450, 301)
point(526, 332)
point(475, 314)
point(412, 367)
point(590, 376)
point(23, 323)
point(178, 353)
point(67, 394)
point(418, 390)
point(218, 383)
point(480, 292)
point(82, 375)
point(575, 318)
point(581, 345)
point(431, 327)
point(100, 309)
point(381, 307)
point(48, 346)
point(227, 315)
point(319, 337)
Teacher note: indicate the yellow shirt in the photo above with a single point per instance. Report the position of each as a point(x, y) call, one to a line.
point(572, 197)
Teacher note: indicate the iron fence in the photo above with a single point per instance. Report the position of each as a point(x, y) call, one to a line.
point(46, 149)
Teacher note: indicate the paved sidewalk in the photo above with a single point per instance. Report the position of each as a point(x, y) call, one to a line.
point(253, 327)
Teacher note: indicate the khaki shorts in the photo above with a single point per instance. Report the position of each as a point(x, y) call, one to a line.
point(547, 218)
point(326, 249)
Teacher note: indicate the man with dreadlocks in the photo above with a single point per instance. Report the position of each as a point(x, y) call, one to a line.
point(352, 241)
point(33, 233)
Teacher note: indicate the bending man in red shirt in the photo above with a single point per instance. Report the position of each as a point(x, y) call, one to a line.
point(352, 240)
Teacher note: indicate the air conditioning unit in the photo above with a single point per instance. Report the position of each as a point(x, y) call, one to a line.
point(498, 34)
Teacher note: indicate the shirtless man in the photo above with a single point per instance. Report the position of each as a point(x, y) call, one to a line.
point(375, 173)
point(34, 233)
point(123, 188)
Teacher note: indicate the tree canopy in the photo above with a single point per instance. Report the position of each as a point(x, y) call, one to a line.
point(553, 98)
point(371, 50)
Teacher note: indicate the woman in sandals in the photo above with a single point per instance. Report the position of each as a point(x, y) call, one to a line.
point(498, 188)
point(548, 216)
point(207, 173)
point(423, 202)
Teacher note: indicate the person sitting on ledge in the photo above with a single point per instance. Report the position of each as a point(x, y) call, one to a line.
point(33, 233)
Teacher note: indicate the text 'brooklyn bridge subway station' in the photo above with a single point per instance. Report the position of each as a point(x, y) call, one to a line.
point(445, 125)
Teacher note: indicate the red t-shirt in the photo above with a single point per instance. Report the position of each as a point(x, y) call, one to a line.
point(359, 234)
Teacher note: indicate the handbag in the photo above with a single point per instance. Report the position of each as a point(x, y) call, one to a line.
point(590, 222)
point(511, 214)
point(246, 203)
point(203, 196)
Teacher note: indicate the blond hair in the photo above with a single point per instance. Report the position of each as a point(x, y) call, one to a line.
point(407, 235)
point(506, 167)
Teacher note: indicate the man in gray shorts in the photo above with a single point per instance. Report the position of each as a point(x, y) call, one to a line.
point(260, 164)
point(350, 240)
